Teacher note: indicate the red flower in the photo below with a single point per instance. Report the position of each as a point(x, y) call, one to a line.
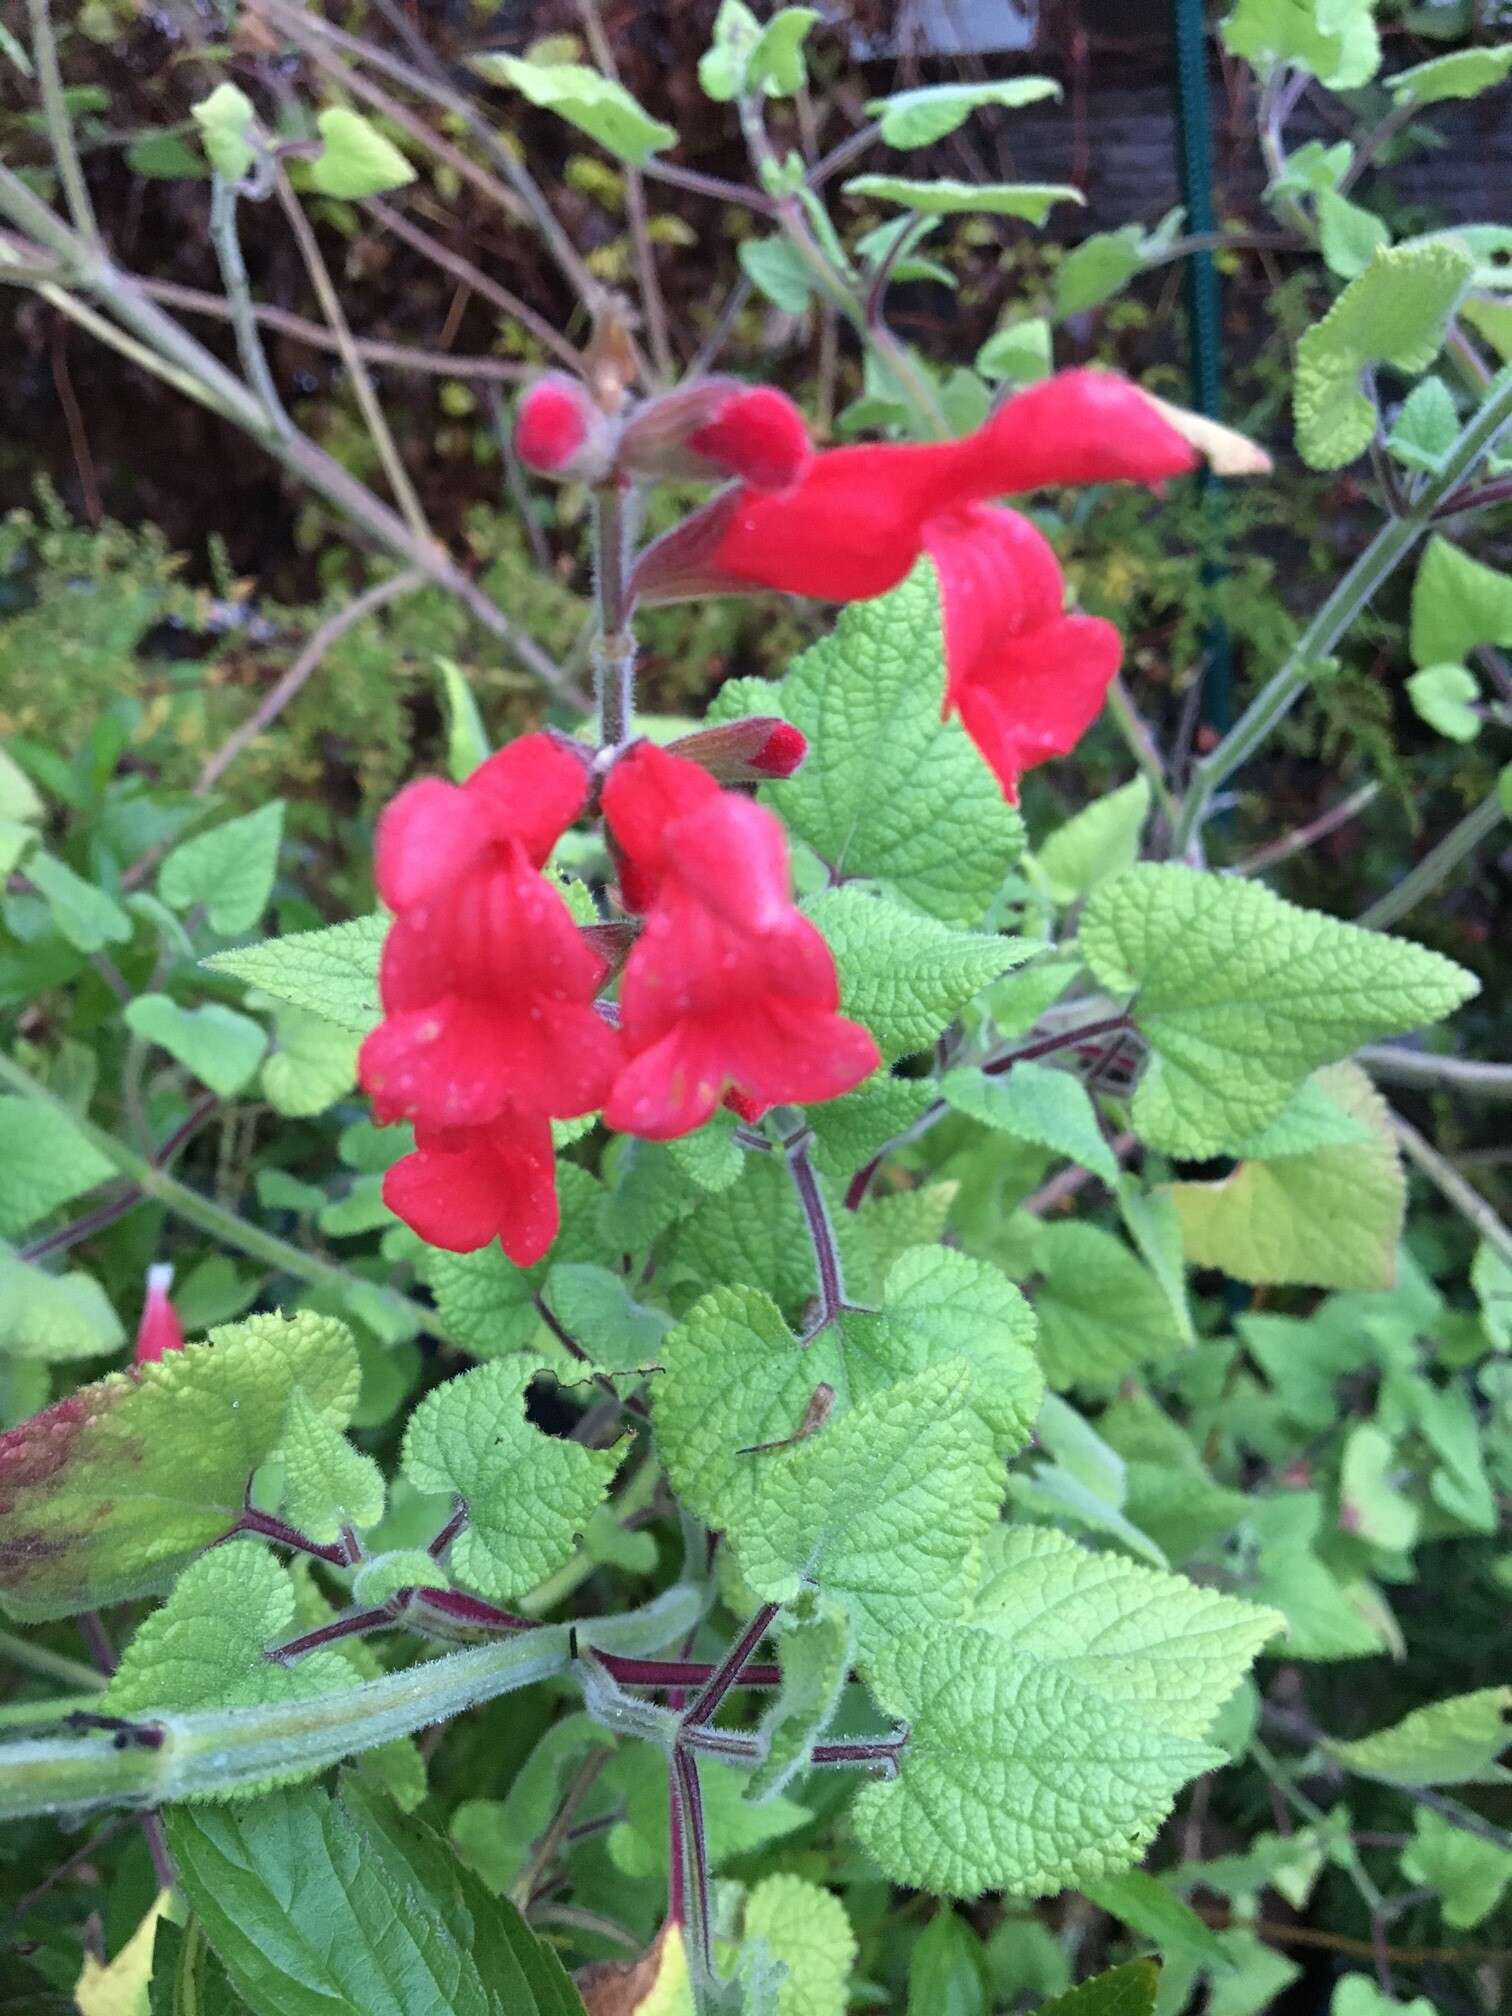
point(728, 990)
point(559, 431)
point(160, 1330)
point(487, 985)
point(1026, 679)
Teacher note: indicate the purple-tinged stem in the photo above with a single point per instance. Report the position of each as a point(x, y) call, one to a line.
point(449, 1531)
point(251, 1520)
point(885, 1751)
point(680, 1673)
point(677, 1895)
point(97, 1638)
point(821, 1232)
point(157, 1848)
point(472, 1610)
point(351, 1624)
point(704, 1705)
point(696, 1851)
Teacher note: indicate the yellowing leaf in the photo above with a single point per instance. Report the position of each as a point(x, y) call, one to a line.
point(119, 1987)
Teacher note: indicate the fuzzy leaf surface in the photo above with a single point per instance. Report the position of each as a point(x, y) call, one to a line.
point(44, 1162)
point(327, 1483)
point(333, 973)
point(1451, 1742)
point(529, 1495)
point(1035, 1102)
point(230, 870)
point(220, 1047)
point(108, 1493)
point(1242, 995)
point(596, 105)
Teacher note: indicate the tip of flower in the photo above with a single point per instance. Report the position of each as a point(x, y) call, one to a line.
point(552, 424)
point(758, 435)
point(782, 752)
point(160, 1277)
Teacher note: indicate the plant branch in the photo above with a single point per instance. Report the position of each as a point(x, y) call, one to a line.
point(725, 1675)
point(60, 133)
point(49, 1665)
point(653, 306)
point(279, 696)
point(368, 402)
point(1426, 1071)
point(614, 641)
point(1453, 1188)
point(1457, 845)
point(821, 1231)
point(1303, 837)
point(233, 271)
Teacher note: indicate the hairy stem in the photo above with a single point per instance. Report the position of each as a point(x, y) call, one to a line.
point(614, 643)
point(1457, 845)
point(60, 135)
point(821, 1231)
point(233, 271)
point(48, 1665)
point(705, 1704)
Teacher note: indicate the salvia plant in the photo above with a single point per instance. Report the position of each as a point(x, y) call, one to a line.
point(794, 1503)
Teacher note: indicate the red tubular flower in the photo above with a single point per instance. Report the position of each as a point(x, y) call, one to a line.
point(1026, 679)
point(728, 991)
point(160, 1330)
point(718, 427)
point(487, 985)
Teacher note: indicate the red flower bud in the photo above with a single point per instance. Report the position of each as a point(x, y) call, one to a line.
point(715, 428)
point(745, 752)
point(560, 432)
point(160, 1330)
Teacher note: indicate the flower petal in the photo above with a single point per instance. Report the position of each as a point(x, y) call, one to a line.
point(430, 834)
point(668, 1090)
point(1040, 694)
point(532, 789)
point(462, 1188)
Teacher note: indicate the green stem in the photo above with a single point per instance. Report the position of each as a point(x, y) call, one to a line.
point(213, 1218)
point(614, 640)
point(1385, 553)
point(60, 136)
point(1436, 865)
point(212, 1752)
point(233, 271)
point(1453, 1188)
point(50, 1665)
point(48, 1714)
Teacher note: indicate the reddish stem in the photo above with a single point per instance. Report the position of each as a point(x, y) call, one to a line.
point(679, 1673)
point(353, 1624)
point(253, 1521)
point(472, 1610)
point(725, 1674)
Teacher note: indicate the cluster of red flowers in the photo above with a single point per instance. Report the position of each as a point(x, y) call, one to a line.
point(492, 1024)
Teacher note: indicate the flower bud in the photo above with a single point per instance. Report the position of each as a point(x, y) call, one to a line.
point(751, 751)
point(718, 428)
point(560, 432)
point(159, 1330)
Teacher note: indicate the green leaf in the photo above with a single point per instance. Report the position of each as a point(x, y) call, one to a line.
point(54, 1317)
point(1019, 353)
point(18, 794)
point(1123, 1991)
point(327, 1483)
point(1336, 42)
point(1451, 1742)
point(331, 973)
point(1348, 235)
point(1427, 426)
point(947, 1969)
point(1149, 1910)
point(1396, 312)
point(890, 788)
point(603, 1318)
point(1101, 1312)
point(529, 1495)
point(86, 916)
point(466, 737)
point(906, 976)
point(1463, 73)
point(221, 1048)
point(44, 1162)
point(343, 1907)
point(815, 1651)
point(1321, 1113)
point(166, 157)
point(1016, 1775)
point(1330, 1217)
point(848, 1131)
point(1032, 201)
point(919, 118)
point(495, 1835)
point(1446, 697)
point(882, 1508)
point(1101, 840)
point(1097, 269)
point(1369, 1502)
point(382, 1576)
point(775, 65)
point(1241, 996)
point(1035, 1102)
point(224, 119)
point(1457, 603)
point(722, 67)
point(230, 870)
point(777, 270)
point(637, 1779)
point(710, 1156)
point(357, 160)
point(806, 1929)
point(204, 1648)
point(110, 1492)
point(313, 1064)
point(596, 105)
point(1469, 1874)
point(1175, 1649)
